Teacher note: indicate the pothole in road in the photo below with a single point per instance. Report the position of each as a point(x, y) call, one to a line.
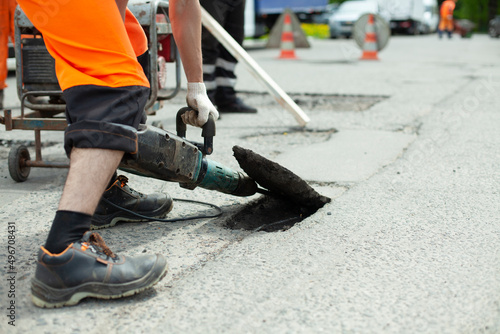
point(290, 199)
point(268, 214)
point(291, 138)
point(312, 102)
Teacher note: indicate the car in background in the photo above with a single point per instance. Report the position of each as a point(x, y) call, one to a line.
point(407, 16)
point(342, 20)
point(494, 28)
point(322, 18)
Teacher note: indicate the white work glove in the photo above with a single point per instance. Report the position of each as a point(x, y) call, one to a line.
point(197, 99)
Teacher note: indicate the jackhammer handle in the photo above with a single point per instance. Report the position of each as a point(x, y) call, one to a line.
point(208, 130)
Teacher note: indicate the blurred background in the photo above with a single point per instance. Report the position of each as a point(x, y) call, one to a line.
point(333, 18)
point(480, 12)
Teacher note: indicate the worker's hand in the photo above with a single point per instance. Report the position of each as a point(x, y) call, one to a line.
point(197, 99)
point(450, 17)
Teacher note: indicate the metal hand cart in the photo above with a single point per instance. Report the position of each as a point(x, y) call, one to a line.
point(39, 91)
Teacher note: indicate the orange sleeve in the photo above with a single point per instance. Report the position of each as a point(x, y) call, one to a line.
point(136, 34)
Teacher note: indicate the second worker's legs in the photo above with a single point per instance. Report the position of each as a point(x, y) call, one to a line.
point(218, 64)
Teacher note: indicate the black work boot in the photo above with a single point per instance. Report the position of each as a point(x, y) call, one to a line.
point(88, 268)
point(119, 193)
point(236, 106)
point(227, 102)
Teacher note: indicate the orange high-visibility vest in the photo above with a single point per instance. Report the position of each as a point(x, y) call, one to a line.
point(447, 8)
point(90, 47)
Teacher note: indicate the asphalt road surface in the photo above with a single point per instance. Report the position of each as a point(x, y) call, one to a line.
point(407, 147)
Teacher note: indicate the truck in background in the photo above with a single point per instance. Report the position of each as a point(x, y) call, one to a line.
point(260, 15)
point(431, 16)
point(406, 15)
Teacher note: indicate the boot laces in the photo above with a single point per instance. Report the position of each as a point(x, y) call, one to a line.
point(123, 184)
point(123, 180)
point(97, 241)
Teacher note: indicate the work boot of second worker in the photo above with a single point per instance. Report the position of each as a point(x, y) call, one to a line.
point(156, 205)
point(235, 106)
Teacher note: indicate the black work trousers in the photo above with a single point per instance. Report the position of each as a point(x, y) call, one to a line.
point(218, 64)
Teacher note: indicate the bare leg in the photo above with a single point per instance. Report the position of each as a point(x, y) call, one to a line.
point(70, 264)
point(89, 174)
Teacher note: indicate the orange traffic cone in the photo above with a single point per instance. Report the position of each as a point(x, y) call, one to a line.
point(287, 43)
point(370, 45)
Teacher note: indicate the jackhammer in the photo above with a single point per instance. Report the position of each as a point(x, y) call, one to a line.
point(165, 156)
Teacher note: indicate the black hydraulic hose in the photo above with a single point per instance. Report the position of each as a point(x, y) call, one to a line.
point(172, 220)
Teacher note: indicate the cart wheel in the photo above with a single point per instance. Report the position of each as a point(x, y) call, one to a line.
point(17, 163)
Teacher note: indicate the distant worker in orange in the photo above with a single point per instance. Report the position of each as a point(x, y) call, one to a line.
point(446, 21)
point(7, 8)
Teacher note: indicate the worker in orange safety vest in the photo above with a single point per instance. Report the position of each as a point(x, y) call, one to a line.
point(446, 21)
point(7, 8)
point(101, 60)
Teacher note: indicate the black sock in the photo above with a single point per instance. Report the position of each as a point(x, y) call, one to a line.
point(67, 227)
